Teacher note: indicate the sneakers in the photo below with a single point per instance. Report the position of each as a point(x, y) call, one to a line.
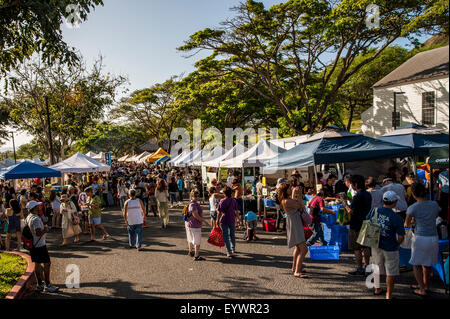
point(358, 272)
point(40, 288)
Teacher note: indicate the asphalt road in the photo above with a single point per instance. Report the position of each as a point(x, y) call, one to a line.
point(262, 269)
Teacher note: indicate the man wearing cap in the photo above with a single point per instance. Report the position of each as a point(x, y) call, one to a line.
point(389, 185)
point(39, 253)
point(392, 234)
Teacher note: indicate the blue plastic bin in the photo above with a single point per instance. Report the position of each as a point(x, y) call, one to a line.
point(324, 252)
point(339, 236)
point(328, 219)
point(269, 202)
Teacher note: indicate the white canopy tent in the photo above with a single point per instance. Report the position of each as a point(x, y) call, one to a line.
point(99, 157)
point(7, 162)
point(290, 142)
point(123, 158)
point(176, 158)
point(186, 159)
point(237, 150)
point(217, 152)
point(255, 156)
point(34, 161)
point(91, 154)
point(197, 159)
point(80, 163)
point(142, 157)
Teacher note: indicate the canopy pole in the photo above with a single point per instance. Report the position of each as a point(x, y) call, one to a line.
point(414, 165)
point(315, 175)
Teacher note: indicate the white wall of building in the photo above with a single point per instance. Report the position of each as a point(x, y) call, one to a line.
point(377, 120)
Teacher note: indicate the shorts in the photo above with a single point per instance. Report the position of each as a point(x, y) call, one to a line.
point(40, 255)
point(388, 261)
point(213, 215)
point(194, 235)
point(352, 237)
point(252, 224)
point(95, 221)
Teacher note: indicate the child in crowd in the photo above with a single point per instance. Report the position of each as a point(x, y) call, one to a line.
point(317, 206)
point(250, 223)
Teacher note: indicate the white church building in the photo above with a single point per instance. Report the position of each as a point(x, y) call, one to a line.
point(415, 92)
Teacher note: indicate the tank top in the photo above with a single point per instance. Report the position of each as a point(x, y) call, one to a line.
point(134, 212)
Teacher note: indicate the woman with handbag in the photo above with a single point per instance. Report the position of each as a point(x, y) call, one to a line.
point(425, 243)
point(70, 221)
point(291, 200)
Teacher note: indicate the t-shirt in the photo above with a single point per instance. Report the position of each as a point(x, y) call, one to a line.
point(230, 181)
point(259, 188)
point(317, 204)
point(56, 204)
point(212, 204)
point(391, 225)
point(377, 197)
point(228, 207)
point(361, 206)
point(194, 222)
point(83, 200)
point(328, 190)
point(425, 216)
point(443, 181)
point(95, 212)
point(250, 216)
point(180, 184)
point(34, 222)
point(401, 192)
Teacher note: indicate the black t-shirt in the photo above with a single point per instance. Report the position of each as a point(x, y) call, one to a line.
point(173, 187)
point(328, 190)
point(361, 205)
point(341, 187)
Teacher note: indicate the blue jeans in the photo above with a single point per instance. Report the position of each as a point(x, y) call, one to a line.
point(173, 197)
point(228, 231)
point(317, 234)
point(135, 232)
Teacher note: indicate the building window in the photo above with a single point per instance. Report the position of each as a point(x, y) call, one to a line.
point(395, 119)
point(428, 108)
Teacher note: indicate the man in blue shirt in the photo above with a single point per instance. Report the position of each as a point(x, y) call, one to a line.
point(392, 234)
point(180, 185)
point(442, 197)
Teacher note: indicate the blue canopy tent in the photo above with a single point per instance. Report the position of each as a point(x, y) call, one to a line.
point(332, 146)
point(419, 138)
point(28, 170)
point(162, 160)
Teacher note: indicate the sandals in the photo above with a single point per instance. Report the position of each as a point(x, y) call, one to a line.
point(417, 293)
point(106, 237)
point(302, 275)
point(416, 287)
point(382, 292)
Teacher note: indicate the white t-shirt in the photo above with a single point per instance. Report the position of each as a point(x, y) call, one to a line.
point(82, 198)
point(212, 203)
point(134, 212)
point(34, 222)
point(230, 181)
point(56, 204)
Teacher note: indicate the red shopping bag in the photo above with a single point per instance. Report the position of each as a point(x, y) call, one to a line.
point(216, 237)
point(308, 232)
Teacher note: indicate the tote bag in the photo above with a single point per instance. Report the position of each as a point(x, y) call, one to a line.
point(306, 218)
point(407, 242)
point(369, 235)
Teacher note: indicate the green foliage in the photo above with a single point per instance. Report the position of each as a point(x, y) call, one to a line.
point(77, 98)
point(297, 55)
point(34, 26)
point(31, 150)
point(108, 137)
point(11, 268)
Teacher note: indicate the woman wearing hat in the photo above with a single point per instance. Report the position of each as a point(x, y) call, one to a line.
point(70, 226)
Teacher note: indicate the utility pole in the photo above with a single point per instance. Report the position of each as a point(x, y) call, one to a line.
point(52, 161)
point(14, 148)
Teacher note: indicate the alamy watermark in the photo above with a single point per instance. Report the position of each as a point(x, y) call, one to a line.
point(73, 279)
point(373, 280)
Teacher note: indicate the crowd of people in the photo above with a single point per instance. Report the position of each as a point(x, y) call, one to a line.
point(139, 191)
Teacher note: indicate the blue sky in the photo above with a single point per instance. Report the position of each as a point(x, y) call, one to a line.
point(138, 38)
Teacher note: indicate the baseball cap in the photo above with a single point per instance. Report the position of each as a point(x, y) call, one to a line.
point(32, 204)
point(390, 196)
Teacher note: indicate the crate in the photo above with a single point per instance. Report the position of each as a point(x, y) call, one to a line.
point(270, 225)
point(268, 202)
point(339, 236)
point(324, 252)
point(328, 219)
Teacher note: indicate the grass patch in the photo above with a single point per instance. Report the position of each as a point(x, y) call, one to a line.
point(11, 268)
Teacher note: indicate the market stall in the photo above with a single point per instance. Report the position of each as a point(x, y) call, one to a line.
point(160, 153)
point(80, 163)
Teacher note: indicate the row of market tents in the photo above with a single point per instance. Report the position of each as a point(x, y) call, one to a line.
point(158, 157)
point(330, 146)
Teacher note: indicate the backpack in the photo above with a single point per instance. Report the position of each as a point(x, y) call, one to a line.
point(27, 237)
point(186, 215)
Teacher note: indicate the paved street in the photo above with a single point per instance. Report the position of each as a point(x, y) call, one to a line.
point(163, 270)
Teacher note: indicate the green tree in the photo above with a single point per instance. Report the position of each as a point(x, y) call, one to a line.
point(108, 137)
point(77, 98)
point(298, 54)
point(152, 109)
point(31, 150)
point(34, 26)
